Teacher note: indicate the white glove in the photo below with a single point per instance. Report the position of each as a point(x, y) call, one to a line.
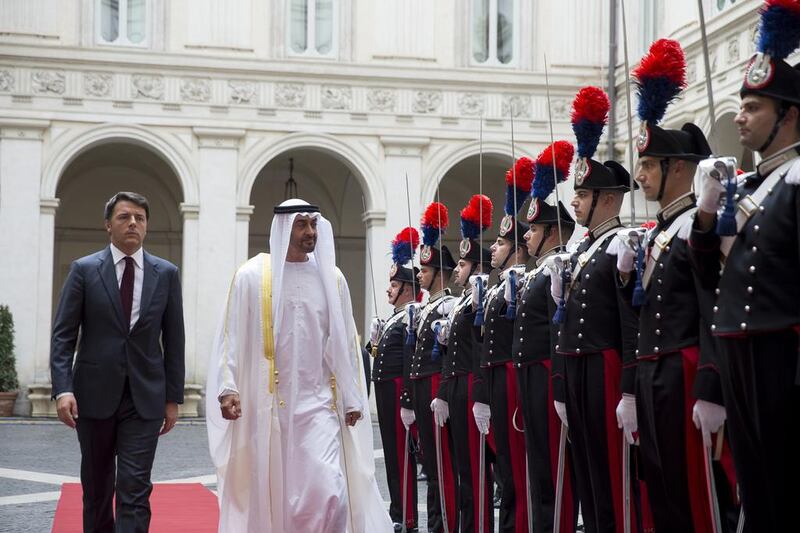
point(561, 411)
point(441, 411)
point(556, 267)
point(407, 416)
point(625, 247)
point(519, 274)
point(475, 281)
point(482, 414)
point(444, 330)
point(375, 331)
point(626, 416)
point(712, 183)
point(412, 315)
point(708, 417)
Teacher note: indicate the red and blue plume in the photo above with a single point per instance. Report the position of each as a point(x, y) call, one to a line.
point(404, 245)
point(779, 30)
point(523, 169)
point(660, 77)
point(434, 223)
point(476, 217)
point(546, 176)
point(589, 118)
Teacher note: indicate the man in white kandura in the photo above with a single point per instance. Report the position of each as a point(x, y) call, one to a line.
point(286, 389)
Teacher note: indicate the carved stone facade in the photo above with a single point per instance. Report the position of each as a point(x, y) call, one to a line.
point(98, 84)
point(48, 81)
point(290, 95)
point(196, 89)
point(147, 87)
point(381, 100)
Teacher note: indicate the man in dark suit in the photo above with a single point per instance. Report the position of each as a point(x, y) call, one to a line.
point(122, 307)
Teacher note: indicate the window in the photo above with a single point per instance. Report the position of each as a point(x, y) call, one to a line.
point(312, 28)
point(493, 36)
point(122, 22)
point(722, 5)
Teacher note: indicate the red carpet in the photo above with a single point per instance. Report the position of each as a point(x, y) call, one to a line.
point(175, 507)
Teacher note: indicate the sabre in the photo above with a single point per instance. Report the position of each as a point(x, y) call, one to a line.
point(481, 480)
point(711, 488)
point(410, 245)
point(707, 64)
point(440, 474)
point(553, 151)
point(405, 480)
point(514, 176)
point(626, 485)
point(630, 120)
point(371, 276)
point(562, 446)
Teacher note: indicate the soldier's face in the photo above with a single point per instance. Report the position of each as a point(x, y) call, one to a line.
point(533, 237)
point(500, 250)
point(461, 272)
point(304, 233)
point(582, 204)
point(393, 291)
point(425, 277)
point(755, 120)
point(648, 175)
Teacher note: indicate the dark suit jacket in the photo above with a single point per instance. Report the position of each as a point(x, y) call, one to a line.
point(107, 352)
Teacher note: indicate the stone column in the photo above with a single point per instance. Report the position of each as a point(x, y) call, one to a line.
point(189, 271)
point(216, 251)
point(20, 212)
point(243, 214)
point(402, 156)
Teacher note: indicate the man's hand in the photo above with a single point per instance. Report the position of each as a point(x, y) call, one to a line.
point(482, 414)
point(375, 331)
point(407, 416)
point(230, 406)
point(561, 411)
point(626, 416)
point(708, 417)
point(352, 417)
point(441, 411)
point(67, 409)
point(170, 417)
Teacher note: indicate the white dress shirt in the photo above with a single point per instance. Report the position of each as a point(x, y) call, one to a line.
point(138, 277)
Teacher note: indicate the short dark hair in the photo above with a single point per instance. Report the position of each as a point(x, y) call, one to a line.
point(123, 196)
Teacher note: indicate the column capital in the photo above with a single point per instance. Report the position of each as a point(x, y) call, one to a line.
point(49, 206)
point(190, 211)
point(374, 217)
point(23, 129)
point(243, 212)
point(219, 137)
point(398, 145)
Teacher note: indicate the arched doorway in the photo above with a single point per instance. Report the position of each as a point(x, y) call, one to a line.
point(462, 181)
point(90, 180)
point(325, 180)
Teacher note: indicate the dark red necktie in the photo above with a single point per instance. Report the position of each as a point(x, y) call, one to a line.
point(126, 290)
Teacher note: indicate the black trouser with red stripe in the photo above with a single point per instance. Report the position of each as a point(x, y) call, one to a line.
point(672, 447)
point(423, 392)
point(762, 401)
point(509, 469)
point(542, 433)
point(466, 447)
point(393, 434)
point(593, 390)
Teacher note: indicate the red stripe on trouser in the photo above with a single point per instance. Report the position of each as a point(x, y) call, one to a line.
point(475, 465)
point(516, 441)
point(695, 466)
point(554, 436)
point(411, 477)
point(449, 487)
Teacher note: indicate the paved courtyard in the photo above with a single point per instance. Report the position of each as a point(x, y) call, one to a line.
point(37, 456)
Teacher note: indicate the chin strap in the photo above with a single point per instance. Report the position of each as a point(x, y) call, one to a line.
point(775, 127)
point(664, 171)
point(595, 197)
point(430, 285)
point(547, 231)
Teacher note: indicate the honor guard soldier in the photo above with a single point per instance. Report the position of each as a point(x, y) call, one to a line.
point(534, 340)
point(453, 401)
point(436, 267)
point(392, 352)
point(757, 311)
point(495, 390)
point(597, 336)
point(676, 371)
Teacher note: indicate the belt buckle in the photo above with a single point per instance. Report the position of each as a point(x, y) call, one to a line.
point(748, 206)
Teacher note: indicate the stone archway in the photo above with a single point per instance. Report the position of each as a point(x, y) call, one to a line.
point(325, 180)
point(93, 177)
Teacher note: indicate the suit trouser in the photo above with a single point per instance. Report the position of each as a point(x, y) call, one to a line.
point(509, 468)
point(424, 391)
point(762, 401)
point(466, 447)
point(593, 389)
point(132, 441)
point(672, 447)
point(387, 399)
point(542, 433)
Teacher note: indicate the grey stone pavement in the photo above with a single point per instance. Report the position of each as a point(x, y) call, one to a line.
point(37, 456)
